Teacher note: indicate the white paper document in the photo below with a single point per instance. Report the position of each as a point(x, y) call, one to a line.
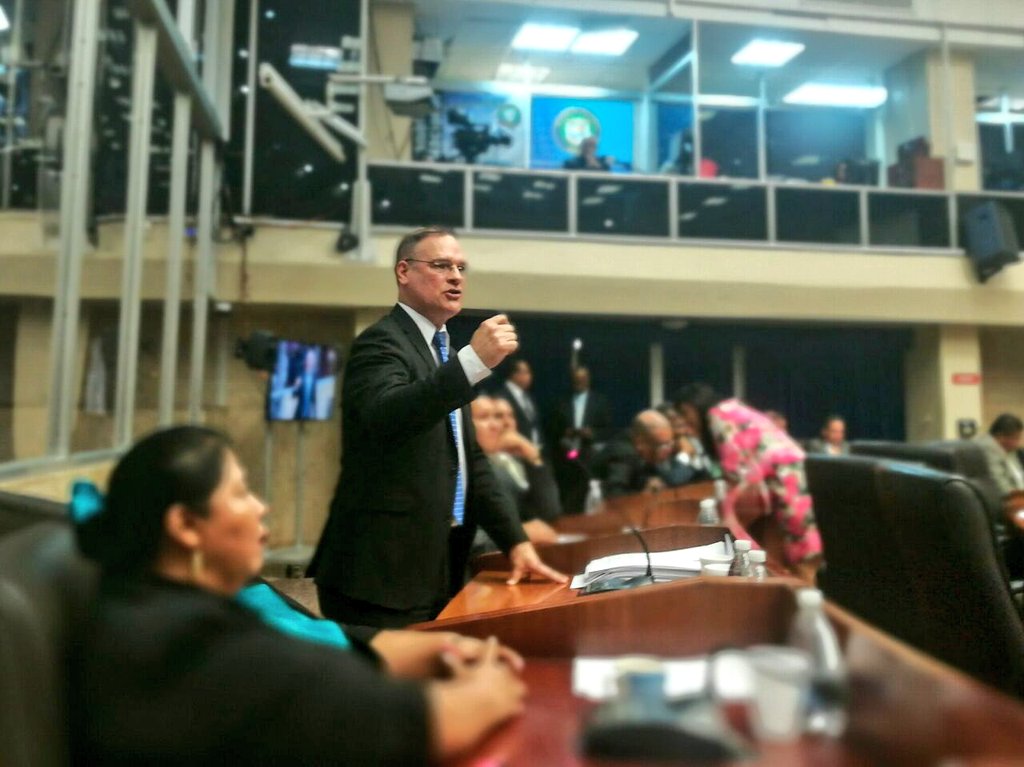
point(665, 565)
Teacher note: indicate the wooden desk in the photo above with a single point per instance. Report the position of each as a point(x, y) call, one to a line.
point(905, 709)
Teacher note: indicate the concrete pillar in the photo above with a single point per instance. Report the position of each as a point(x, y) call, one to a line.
point(390, 48)
point(943, 381)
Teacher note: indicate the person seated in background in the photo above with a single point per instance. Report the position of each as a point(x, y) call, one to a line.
point(833, 438)
point(173, 668)
point(510, 472)
point(1001, 445)
point(542, 500)
point(640, 460)
point(754, 452)
point(588, 159)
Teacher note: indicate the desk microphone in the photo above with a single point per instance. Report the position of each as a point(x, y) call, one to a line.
point(622, 582)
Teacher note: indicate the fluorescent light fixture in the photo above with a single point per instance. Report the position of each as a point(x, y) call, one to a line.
point(544, 37)
point(999, 118)
point(605, 42)
point(4, 23)
point(522, 73)
point(766, 53)
point(725, 100)
point(314, 57)
point(829, 95)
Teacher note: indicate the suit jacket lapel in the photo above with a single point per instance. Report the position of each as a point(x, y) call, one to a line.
point(415, 338)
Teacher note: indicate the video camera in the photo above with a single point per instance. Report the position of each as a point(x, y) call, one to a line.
point(471, 140)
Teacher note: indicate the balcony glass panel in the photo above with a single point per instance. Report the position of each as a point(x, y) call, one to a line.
point(723, 211)
point(908, 220)
point(520, 202)
point(812, 215)
point(614, 205)
point(416, 196)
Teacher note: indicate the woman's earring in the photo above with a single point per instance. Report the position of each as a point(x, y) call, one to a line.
point(197, 564)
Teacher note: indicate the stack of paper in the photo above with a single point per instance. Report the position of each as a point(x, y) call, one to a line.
point(665, 565)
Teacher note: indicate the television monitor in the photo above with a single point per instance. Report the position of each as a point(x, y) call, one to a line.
point(303, 382)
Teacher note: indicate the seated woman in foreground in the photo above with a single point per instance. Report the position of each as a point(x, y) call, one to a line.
point(754, 452)
point(173, 668)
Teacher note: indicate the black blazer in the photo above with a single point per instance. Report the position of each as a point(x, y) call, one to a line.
point(386, 539)
point(597, 415)
point(524, 424)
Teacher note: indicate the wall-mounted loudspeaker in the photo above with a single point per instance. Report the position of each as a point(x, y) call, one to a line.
point(991, 239)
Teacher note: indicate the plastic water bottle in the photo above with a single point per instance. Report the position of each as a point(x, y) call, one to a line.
point(741, 559)
point(758, 572)
point(825, 704)
point(594, 497)
point(708, 513)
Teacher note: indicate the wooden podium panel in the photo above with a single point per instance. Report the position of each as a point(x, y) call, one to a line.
point(905, 708)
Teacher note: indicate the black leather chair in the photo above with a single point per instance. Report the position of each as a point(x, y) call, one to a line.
point(45, 592)
point(17, 511)
point(911, 550)
point(967, 459)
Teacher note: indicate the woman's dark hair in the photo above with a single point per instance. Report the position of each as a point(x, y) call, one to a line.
point(701, 397)
point(183, 464)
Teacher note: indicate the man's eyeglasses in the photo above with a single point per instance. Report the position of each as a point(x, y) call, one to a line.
point(441, 265)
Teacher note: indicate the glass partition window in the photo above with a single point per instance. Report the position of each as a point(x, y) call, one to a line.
point(675, 138)
point(819, 144)
point(615, 206)
point(817, 216)
point(559, 126)
point(728, 142)
point(412, 195)
point(520, 201)
point(908, 220)
point(722, 211)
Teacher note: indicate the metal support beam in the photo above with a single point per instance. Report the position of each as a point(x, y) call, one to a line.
point(202, 277)
point(250, 106)
point(13, 63)
point(175, 233)
point(143, 78)
point(361, 197)
point(73, 197)
point(177, 66)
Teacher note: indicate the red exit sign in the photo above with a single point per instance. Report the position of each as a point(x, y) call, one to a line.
point(966, 379)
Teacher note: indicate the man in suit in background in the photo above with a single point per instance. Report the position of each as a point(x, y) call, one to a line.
point(517, 391)
point(414, 483)
point(1001, 445)
point(580, 422)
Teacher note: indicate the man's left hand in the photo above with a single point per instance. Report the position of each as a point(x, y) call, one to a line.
point(526, 561)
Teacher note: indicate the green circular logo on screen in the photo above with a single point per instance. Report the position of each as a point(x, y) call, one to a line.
point(573, 125)
point(509, 116)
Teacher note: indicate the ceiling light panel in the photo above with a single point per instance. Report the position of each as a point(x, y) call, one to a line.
point(767, 53)
point(825, 94)
point(522, 73)
point(605, 42)
point(544, 37)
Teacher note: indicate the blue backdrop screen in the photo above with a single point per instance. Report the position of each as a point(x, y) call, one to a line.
point(558, 124)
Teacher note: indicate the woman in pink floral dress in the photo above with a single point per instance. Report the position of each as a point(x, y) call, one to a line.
point(755, 453)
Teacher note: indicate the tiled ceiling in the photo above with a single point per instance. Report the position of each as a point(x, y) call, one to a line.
point(478, 38)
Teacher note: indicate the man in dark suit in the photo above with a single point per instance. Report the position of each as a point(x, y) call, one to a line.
point(517, 391)
point(414, 484)
point(580, 422)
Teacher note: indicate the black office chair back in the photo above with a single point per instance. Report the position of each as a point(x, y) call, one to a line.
point(911, 550)
point(46, 590)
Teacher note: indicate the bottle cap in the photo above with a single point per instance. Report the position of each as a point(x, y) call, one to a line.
point(809, 598)
point(758, 556)
point(709, 503)
point(742, 545)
